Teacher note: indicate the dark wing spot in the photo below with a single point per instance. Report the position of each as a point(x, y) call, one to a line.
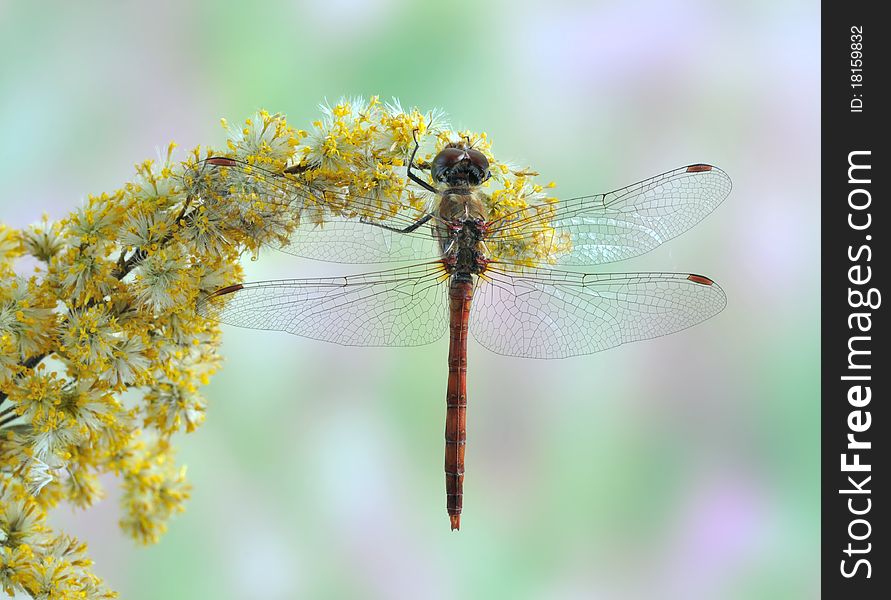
point(230, 289)
point(700, 279)
point(221, 161)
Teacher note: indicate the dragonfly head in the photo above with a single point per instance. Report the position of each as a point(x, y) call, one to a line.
point(459, 166)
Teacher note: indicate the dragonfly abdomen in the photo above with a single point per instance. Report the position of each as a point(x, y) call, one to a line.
point(460, 295)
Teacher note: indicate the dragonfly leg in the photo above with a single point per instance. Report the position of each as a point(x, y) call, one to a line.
point(411, 161)
point(408, 229)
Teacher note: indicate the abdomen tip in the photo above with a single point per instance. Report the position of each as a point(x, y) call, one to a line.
point(456, 521)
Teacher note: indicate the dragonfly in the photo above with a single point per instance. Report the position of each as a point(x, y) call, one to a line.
point(455, 271)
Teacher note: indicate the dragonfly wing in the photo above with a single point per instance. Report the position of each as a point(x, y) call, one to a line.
point(544, 313)
point(344, 240)
point(303, 219)
point(398, 307)
point(624, 223)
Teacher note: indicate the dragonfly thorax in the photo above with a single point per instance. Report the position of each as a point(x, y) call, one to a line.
point(464, 254)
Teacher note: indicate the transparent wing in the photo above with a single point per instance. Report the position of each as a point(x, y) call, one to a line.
point(349, 240)
point(398, 307)
point(621, 224)
point(543, 313)
point(332, 224)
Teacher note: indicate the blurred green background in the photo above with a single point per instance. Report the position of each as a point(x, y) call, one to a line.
point(685, 467)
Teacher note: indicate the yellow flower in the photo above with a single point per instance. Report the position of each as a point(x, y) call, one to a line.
point(154, 489)
point(43, 240)
point(10, 245)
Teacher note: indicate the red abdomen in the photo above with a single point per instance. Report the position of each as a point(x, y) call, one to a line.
point(460, 294)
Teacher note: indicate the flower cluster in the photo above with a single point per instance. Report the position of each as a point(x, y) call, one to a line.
point(363, 146)
point(36, 561)
point(102, 358)
point(102, 353)
point(352, 164)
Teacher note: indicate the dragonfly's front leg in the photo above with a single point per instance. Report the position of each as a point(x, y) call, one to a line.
point(411, 162)
point(417, 180)
point(408, 229)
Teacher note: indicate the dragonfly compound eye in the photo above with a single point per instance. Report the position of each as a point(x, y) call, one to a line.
point(478, 159)
point(444, 161)
point(481, 171)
